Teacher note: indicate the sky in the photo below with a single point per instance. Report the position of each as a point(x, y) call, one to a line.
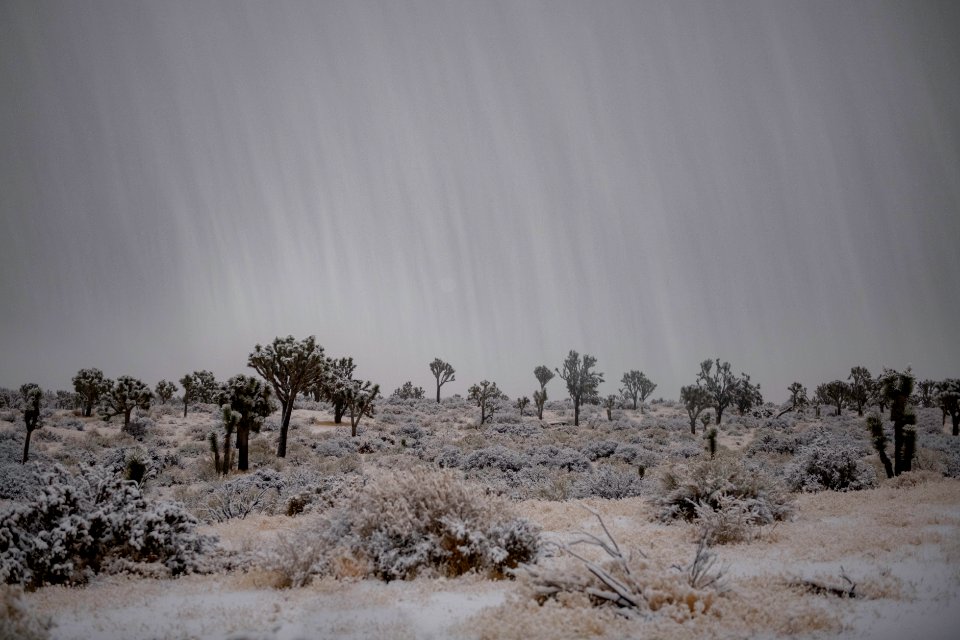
point(776, 184)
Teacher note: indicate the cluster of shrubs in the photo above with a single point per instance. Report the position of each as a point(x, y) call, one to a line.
point(409, 524)
point(76, 526)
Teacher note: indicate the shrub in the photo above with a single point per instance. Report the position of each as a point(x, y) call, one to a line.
point(557, 458)
point(90, 523)
point(421, 522)
point(824, 465)
point(600, 449)
point(610, 483)
point(241, 496)
point(687, 490)
point(497, 456)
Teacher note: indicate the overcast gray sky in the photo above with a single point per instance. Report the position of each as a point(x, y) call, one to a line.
point(494, 183)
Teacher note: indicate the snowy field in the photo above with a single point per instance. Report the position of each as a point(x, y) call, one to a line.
point(879, 562)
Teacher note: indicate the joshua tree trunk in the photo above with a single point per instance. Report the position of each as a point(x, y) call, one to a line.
point(339, 408)
point(126, 419)
point(576, 413)
point(284, 425)
point(26, 446)
point(956, 424)
point(243, 436)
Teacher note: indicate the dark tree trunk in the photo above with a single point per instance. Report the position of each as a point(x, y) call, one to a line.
point(185, 403)
point(609, 415)
point(26, 446)
point(897, 448)
point(719, 414)
point(316, 394)
point(909, 448)
point(227, 454)
point(839, 407)
point(693, 425)
point(87, 409)
point(353, 424)
point(576, 413)
point(438, 393)
point(956, 423)
point(243, 436)
point(634, 403)
point(126, 419)
point(339, 408)
point(284, 425)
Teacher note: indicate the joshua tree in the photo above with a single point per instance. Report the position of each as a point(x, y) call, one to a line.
point(877, 395)
point(948, 396)
point(746, 395)
point(836, 393)
point(581, 382)
point(610, 403)
point(32, 395)
point(89, 385)
point(245, 402)
point(879, 438)
point(522, 404)
point(711, 437)
point(927, 392)
point(861, 388)
point(544, 375)
point(408, 392)
point(199, 386)
point(798, 398)
point(291, 367)
point(898, 387)
point(443, 372)
point(122, 397)
point(335, 393)
point(695, 400)
point(539, 399)
point(360, 396)
point(165, 390)
point(485, 394)
point(718, 380)
point(636, 385)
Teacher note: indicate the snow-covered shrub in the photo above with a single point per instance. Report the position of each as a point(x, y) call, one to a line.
point(824, 466)
point(558, 458)
point(449, 457)
point(512, 428)
point(239, 497)
point(772, 442)
point(17, 621)
point(497, 457)
point(93, 522)
point(336, 447)
point(636, 455)
point(608, 482)
point(409, 431)
point(422, 522)
point(600, 449)
point(688, 489)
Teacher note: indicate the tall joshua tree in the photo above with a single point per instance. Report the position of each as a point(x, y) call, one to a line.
point(89, 385)
point(637, 386)
point(860, 386)
point(948, 396)
point(443, 372)
point(582, 383)
point(544, 375)
point(359, 397)
point(122, 397)
point(837, 393)
point(199, 386)
point(719, 381)
point(898, 387)
point(165, 390)
point(484, 394)
point(245, 402)
point(695, 400)
point(291, 367)
point(32, 395)
point(747, 395)
point(798, 398)
point(336, 394)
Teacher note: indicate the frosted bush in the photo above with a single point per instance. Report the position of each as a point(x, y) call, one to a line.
point(449, 457)
point(335, 447)
point(687, 490)
point(771, 442)
point(608, 482)
point(600, 449)
point(636, 455)
point(948, 447)
point(420, 522)
point(410, 431)
point(78, 526)
point(558, 458)
point(241, 496)
point(825, 466)
point(518, 429)
point(497, 457)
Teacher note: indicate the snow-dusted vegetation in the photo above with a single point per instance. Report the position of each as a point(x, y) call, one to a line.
point(624, 523)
